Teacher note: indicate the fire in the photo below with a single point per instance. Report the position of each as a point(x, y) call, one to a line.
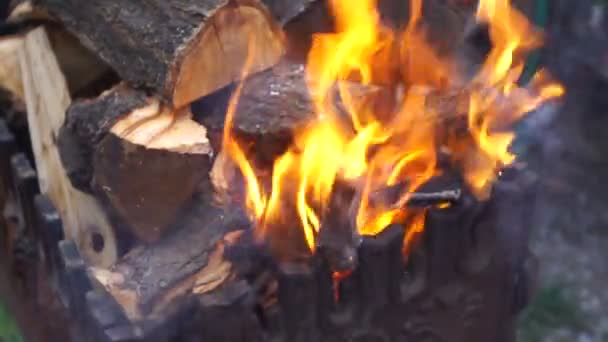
point(355, 145)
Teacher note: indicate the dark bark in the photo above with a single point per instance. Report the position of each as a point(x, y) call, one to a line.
point(272, 104)
point(151, 271)
point(87, 123)
point(148, 42)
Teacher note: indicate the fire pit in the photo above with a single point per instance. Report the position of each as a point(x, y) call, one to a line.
point(366, 194)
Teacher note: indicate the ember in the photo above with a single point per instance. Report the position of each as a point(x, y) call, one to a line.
point(368, 150)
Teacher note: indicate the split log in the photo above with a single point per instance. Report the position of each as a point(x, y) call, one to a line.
point(151, 280)
point(141, 159)
point(274, 103)
point(80, 66)
point(285, 11)
point(47, 98)
point(180, 49)
point(10, 73)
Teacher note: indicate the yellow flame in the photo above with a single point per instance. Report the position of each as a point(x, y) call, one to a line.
point(255, 199)
point(354, 143)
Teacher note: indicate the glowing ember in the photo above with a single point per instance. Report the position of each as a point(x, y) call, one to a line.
point(372, 151)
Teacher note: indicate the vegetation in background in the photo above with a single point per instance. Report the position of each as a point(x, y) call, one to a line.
point(9, 332)
point(551, 309)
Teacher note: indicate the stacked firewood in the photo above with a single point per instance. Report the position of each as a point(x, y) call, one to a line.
point(125, 102)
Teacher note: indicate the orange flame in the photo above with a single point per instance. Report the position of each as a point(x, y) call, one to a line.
point(357, 145)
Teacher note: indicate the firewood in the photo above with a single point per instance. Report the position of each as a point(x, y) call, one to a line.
point(80, 66)
point(150, 279)
point(285, 11)
point(272, 105)
point(10, 74)
point(47, 98)
point(143, 160)
point(275, 103)
point(87, 123)
point(180, 49)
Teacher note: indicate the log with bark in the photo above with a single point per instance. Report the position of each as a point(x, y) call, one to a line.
point(272, 105)
point(276, 102)
point(47, 97)
point(180, 49)
point(154, 280)
point(141, 159)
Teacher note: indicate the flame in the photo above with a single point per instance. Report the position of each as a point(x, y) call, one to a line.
point(354, 144)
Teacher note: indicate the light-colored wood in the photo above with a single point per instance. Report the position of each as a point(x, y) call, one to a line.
point(156, 127)
point(10, 72)
point(237, 38)
point(47, 97)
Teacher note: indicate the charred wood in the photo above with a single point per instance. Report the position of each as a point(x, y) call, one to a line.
point(87, 123)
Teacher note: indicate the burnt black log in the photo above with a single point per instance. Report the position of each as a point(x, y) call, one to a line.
point(23, 246)
point(103, 314)
point(297, 296)
point(338, 236)
point(173, 47)
point(381, 265)
point(271, 104)
point(74, 282)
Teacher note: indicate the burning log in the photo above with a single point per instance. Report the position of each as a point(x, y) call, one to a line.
point(150, 280)
point(173, 47)
point(272, 105)
point(143, 160)
point(284, 11)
